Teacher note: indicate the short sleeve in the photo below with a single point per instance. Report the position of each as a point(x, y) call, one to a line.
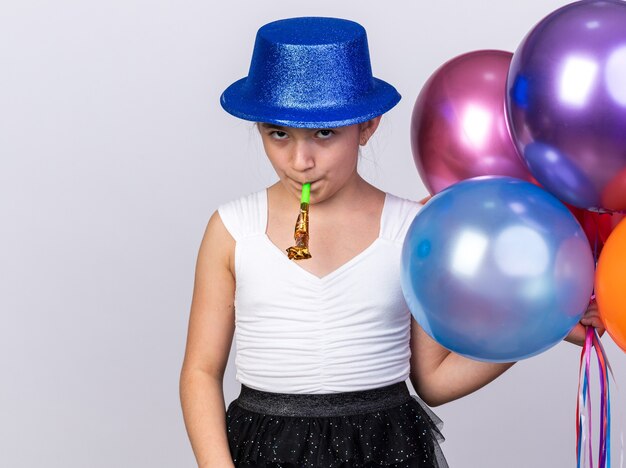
point(245, 216)
point(399, 218)
point(410, 210)
point(229, 218)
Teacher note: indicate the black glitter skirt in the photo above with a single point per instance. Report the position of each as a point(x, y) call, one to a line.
point(381, 427)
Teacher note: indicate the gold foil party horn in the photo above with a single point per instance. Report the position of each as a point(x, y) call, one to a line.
point(301, 235)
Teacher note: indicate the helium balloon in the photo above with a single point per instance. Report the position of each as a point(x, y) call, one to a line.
point(496, 269)
point(566, 103)
point(611, 285)
point(458, 126)
point(597, 226)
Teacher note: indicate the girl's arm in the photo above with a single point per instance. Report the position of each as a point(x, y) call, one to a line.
point(209, 337)
point(440, 376)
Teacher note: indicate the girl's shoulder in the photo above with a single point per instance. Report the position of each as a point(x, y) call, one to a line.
point(405, 203)
point(399, 214)
point(402, 207)
point(245, 215)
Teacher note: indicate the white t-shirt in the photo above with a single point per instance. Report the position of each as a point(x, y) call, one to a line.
point(298, 333)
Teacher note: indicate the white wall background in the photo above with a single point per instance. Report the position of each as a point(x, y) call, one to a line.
point(114, 152)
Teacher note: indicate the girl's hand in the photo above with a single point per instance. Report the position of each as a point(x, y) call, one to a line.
point(590, 318)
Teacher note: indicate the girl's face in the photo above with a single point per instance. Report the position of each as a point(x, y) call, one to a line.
point(326, 157)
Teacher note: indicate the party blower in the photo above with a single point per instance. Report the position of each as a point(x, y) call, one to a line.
point(300, 251)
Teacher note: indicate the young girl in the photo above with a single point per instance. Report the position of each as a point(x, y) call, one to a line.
point(324, 345)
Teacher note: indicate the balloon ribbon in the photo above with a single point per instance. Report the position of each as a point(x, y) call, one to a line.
point(301, 234)
point(583, 405)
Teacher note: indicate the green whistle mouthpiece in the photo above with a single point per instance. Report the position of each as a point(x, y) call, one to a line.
point(306, 193)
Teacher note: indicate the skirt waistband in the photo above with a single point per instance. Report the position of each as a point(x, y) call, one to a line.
point(323, 404)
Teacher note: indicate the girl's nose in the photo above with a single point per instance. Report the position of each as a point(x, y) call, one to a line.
point(303, 158)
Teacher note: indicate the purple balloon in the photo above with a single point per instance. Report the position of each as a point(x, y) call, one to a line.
point(459, 128)
point(566, 102)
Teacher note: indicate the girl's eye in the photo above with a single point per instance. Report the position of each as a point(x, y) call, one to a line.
point(324, 134)
point(278, 135)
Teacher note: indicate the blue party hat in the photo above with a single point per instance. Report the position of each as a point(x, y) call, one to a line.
point(310, 73)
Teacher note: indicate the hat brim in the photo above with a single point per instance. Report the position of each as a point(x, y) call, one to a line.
point(382, 98)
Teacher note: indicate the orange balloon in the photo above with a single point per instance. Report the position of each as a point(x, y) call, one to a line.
point(611, 285)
